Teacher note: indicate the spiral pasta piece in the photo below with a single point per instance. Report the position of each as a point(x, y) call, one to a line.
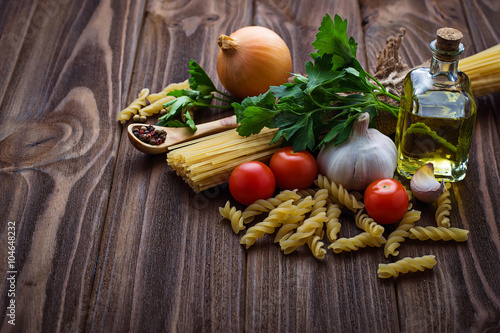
point(269, 224)
point(233, 215)
point(410, 196)
point(133, 107)
point(399, 235)
point(170, 87)
point(408, 191)
point(366, 223)
point(304, 206)
point(333, 225)
point(340, 193)
point(443, 210)
point(304, 231)
point(263, 206)
point(406, 265)
point(320, 201)
point(155, 107)
point(439, 233)
point(310, 226)
point(307, 192)
point(316, 244)
point(311, 191)
point(355, 243)
point(285, 231)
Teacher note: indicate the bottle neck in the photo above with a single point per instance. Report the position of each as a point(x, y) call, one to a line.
point(445, 62)
point(443, 67)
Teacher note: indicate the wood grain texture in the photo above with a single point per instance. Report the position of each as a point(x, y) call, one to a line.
point(455, 305)
point(164, 247)
point(15, 17)
point(56, 172)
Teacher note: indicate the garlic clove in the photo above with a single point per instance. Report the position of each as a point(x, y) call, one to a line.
point(425, 186)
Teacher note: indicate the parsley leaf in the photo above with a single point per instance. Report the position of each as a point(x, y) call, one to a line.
point(332, 39)
point(199, 79)
point(320, 73)
point(200, 95)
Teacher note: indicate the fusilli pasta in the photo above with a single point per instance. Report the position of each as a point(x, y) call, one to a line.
point(269, 224)
point(309, 227)
point(443, 210)
point(316, 244)
point(340, 193)
point(171, 87)
point(410, 196)
point(406, 265)
point(134, 107)
point(304, 206)
point(333, 225)
point(439, 233)
point(263, 206)
point(233, 215)
point(354, 243)
point(155, 107)
point(398, 236)
point(366, 223)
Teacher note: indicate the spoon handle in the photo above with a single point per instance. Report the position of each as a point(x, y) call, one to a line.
point(213, 127)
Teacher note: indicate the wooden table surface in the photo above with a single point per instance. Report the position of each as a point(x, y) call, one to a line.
point(108, 239)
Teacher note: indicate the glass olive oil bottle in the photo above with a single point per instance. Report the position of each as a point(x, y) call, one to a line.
point(437, 113)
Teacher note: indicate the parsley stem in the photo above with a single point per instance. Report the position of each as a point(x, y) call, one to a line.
point(386, 93)
point(384, 90)
point(343, 107)
point(224, 94)
point(222, 99)
point(203, 105)
point(394, 110)
point(376, 81)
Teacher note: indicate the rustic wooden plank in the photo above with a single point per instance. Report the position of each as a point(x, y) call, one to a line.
point(483, 18)
point(15, 17)
point(168, 261)
point(297, 292)
point(56, 172)
point(298, 25)
point(462, 291)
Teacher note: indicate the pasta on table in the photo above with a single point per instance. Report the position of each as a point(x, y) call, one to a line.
point(308, 216)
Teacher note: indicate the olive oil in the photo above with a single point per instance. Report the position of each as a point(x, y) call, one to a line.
point(436, 118)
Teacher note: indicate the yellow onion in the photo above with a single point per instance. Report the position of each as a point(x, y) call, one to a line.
point(251, 60)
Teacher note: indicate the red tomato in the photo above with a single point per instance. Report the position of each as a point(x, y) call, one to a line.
point(386, 200)
point(251, 181)
point(293, 170)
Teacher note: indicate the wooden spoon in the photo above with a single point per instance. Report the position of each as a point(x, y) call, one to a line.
point(177, 135)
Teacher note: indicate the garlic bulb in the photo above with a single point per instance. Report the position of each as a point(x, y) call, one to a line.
point(366, 156)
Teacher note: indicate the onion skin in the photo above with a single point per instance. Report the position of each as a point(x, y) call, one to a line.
point(251, 60)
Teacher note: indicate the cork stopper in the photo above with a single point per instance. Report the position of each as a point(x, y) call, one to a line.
point(448, 39)
point(447, 46)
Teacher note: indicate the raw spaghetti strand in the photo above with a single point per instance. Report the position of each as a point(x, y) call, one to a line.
point(208, 162)
point(483, 69)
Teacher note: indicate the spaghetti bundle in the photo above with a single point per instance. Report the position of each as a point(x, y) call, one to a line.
point(483, 70)
point(209, 161)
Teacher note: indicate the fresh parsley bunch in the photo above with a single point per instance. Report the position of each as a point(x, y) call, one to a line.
point(322, 105)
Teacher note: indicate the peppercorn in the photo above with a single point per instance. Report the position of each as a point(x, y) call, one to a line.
point(150, 135)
